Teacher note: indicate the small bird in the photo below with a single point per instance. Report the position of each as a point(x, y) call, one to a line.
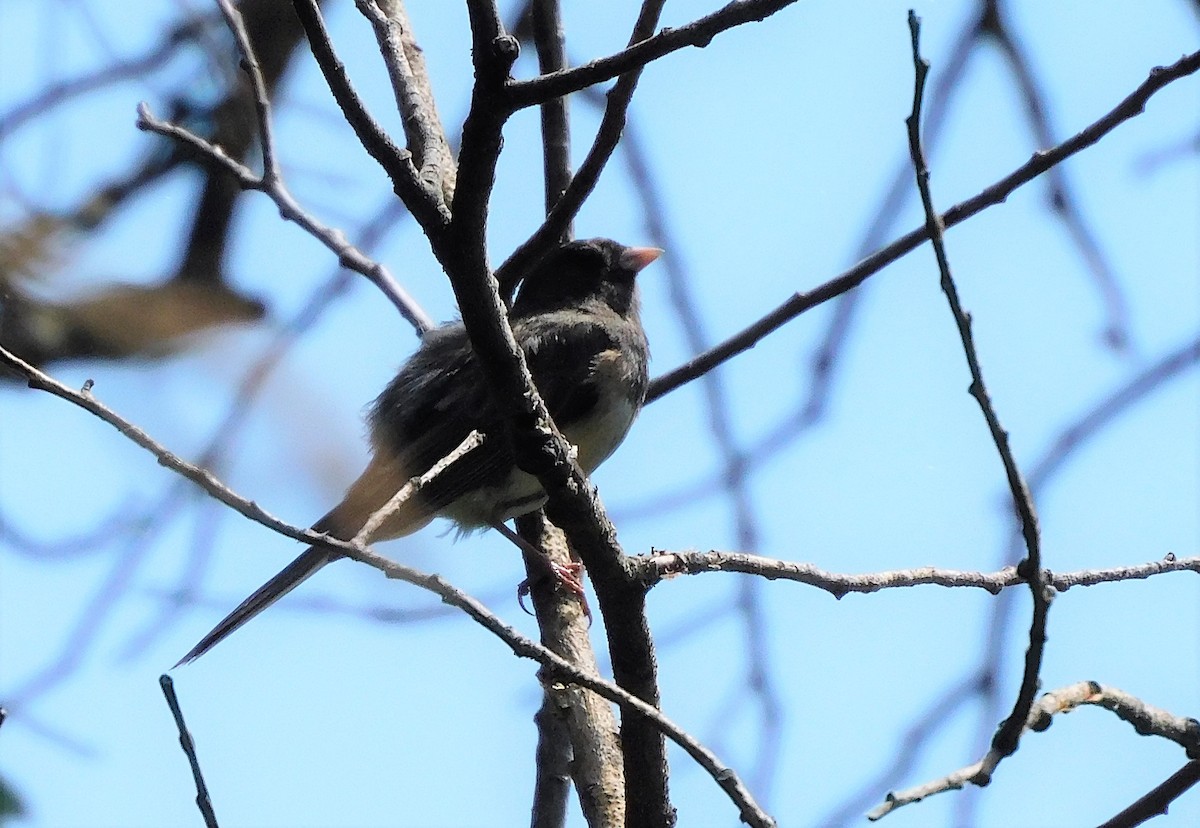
point(576, 319)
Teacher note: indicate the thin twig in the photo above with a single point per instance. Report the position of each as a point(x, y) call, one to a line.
point(1006, 739)
point(411, 487)
point(203, 802)
point(258, 86)
point(612, 123)
point(1133, 104)
point(348, 254)
point(1156, 802)
point(660, 566)
point(1146, 719)
point(641, 52)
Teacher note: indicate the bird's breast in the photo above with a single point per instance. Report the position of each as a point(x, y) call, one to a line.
point(597, 434)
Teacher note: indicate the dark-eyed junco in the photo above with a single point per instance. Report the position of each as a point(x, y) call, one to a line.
point(576, 318)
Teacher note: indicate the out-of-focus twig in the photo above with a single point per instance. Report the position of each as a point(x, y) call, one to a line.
point(271, 183)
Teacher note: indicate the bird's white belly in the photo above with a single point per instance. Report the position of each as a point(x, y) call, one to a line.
point(594, 440)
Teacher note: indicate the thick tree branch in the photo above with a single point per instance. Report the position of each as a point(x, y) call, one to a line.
point(539, 448)
point(586, 728)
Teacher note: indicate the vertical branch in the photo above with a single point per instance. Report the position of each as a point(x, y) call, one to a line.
point(581, 186)
point(572, 718)
point(426, 207)
point(258, 86)
point(550, 40)
point(414, 95)
point(581, 721)
point(493, 53)
point(1006, 738)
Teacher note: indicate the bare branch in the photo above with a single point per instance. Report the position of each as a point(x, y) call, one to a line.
point(577, 721)
point(411, 487)
point(558, 667)
point(1040, 162)
point(348, 255)
point(550, 41)
point(425, 204)
point(1146, 720)
point(203, 802)
point(1156, 802)
point(414, 95)
point(659, 566)
point(262, 103)
point(612, 123)
point(1005, 740)
point(539, 447)
point(699, 33)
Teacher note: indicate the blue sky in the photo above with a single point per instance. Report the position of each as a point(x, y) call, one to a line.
point(773, 148)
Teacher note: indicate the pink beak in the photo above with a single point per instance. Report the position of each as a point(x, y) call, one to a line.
point(636, 258)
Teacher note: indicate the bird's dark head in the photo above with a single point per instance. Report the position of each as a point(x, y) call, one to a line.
point(583, 271)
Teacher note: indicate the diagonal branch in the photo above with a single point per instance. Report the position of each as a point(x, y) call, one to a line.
point(414, 96)
point(424, 203)
point(557, 667)
point(258, 86)
point(612, 123)
point(1145, 719)
point(1156, 802)
point(348, 254)
point(641, 52)
point(1133, 105)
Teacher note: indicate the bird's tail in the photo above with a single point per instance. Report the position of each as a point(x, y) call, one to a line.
point(383, 477)
point(294, 574)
